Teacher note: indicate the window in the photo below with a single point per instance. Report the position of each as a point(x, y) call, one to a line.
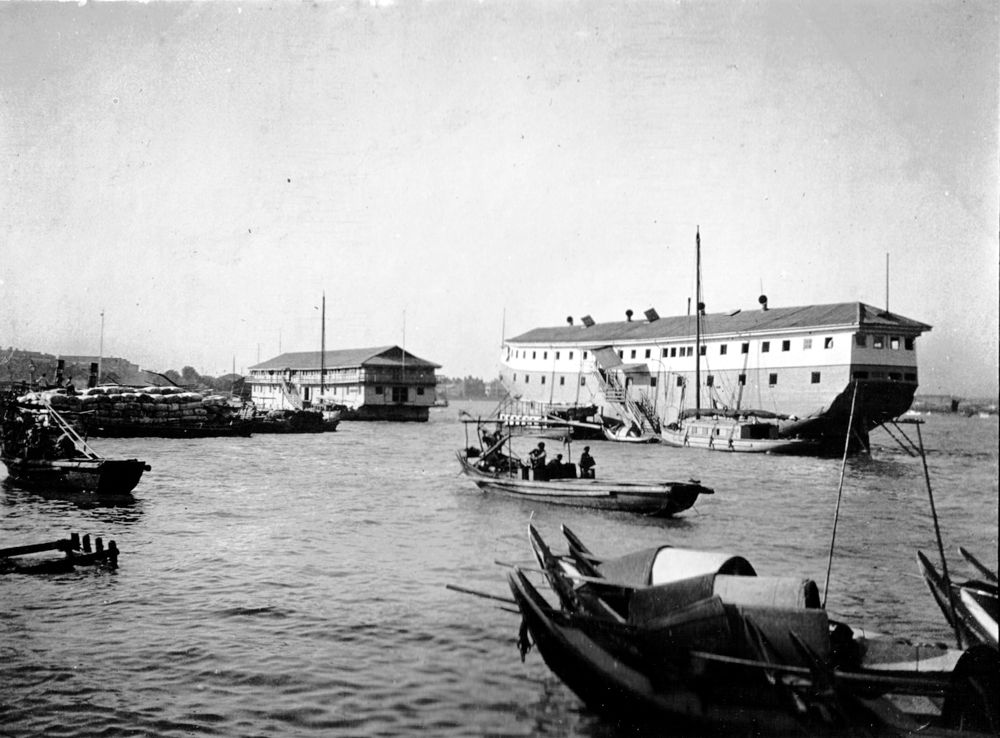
point(420, 390)
point(680, 381)
point(647, 353)
point(911, 377)
point(744, 348)
point(723, 349)
point(772, 379)
point(400, 394)
point(562, 381)
point(861, 375)
point(815, 377)
point(828, 342)
point(665, 353)
point(743, 380)
point(380, 390)
point(527, 378)
point(690, 351)
point(908, 343)
point(583, 381)
point(894, 343)
point(557, 355)
point(786, 345)
point(652, 381)
point(621, 354)
point(543, 379)
point(584, 354)
point(765, 347)
point(702, 350)
point(860, 340)
point(673, 351)
point(545, 354)
point(632, 356)
point(895, 376)
point(571, 355)
point(807, 343)
point(533, 354)
point(878, 342)
point(709, 380)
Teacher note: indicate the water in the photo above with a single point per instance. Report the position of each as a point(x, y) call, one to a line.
point(292, 585)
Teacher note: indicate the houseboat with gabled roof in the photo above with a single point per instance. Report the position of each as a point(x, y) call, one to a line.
point(381, 383)
point(800, 364)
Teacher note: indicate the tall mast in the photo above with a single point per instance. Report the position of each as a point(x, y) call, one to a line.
point(322, 348)
point(697, 322)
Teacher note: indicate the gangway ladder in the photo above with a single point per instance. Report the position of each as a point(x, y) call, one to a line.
point(615, 393)
point(291, 394)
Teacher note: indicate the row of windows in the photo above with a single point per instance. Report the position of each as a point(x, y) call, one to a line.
point(860, 339)
point(772, 378)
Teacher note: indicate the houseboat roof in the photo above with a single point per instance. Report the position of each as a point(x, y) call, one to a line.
point(842, 314)
point(345, 359)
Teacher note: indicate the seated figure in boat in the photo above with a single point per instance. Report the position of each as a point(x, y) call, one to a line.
point(556, 469)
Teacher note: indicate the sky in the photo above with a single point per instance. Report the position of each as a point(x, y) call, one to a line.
point(448, 173)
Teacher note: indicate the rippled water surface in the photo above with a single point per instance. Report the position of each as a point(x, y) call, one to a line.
point(290, 585)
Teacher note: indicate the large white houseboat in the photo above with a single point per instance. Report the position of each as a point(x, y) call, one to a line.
point(800, 364)
point(383, 383)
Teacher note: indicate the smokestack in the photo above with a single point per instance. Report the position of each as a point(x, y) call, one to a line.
point(569, 319)
point(60, 366)
point(628, 315)
point(92, 379)
point(763, 302)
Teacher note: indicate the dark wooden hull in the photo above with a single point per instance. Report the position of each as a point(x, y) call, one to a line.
point(101, 477)
point(168, 430)
point(655, 500)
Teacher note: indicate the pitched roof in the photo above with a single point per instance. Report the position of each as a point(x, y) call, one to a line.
point(345, 359)
point(745, 321)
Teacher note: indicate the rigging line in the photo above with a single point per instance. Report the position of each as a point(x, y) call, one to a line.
point(937, 533)
point(897, 440)
point(840, 491)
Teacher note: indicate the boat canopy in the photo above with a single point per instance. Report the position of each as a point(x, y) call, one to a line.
point(666, 564)
point(734, 414)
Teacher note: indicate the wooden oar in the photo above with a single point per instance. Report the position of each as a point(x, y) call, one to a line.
point(484, 595)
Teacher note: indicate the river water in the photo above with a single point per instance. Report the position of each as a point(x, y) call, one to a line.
point(293, 585)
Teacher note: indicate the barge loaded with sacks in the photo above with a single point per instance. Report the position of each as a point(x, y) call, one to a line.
point(116, 411)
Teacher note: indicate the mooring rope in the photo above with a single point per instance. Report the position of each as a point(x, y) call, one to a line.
point(840, 492)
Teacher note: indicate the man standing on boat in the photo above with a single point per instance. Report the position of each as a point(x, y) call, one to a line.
point(536, 458)
point(587, 464)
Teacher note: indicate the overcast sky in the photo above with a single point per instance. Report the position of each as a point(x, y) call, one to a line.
point(446, 171)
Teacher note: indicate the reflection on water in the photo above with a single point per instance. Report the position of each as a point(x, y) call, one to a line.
point(283, 585)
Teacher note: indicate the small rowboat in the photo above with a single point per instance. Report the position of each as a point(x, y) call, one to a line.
point(102, 477)
point(656, 499)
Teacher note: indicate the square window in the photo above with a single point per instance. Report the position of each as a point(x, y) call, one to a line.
point(908, 343)
point(723, 349)
point(828, 342)
point(673, 351)
point(647, 353)
point(665, 354)
point(894, 343)
point(632, 355)
point(860, 340)
point(690, 351)
point(680, 381)
point(815, 377)
point(570, 354)
point(420, 390)
point(807, 343)
point(703, 350)
point(772, 379)
point(652, 381)
point(744, 348)
point(709, 380)
point(743, 380)
point(379, 390)
point(786, 345)
point(878, 342)
point(765, 347)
